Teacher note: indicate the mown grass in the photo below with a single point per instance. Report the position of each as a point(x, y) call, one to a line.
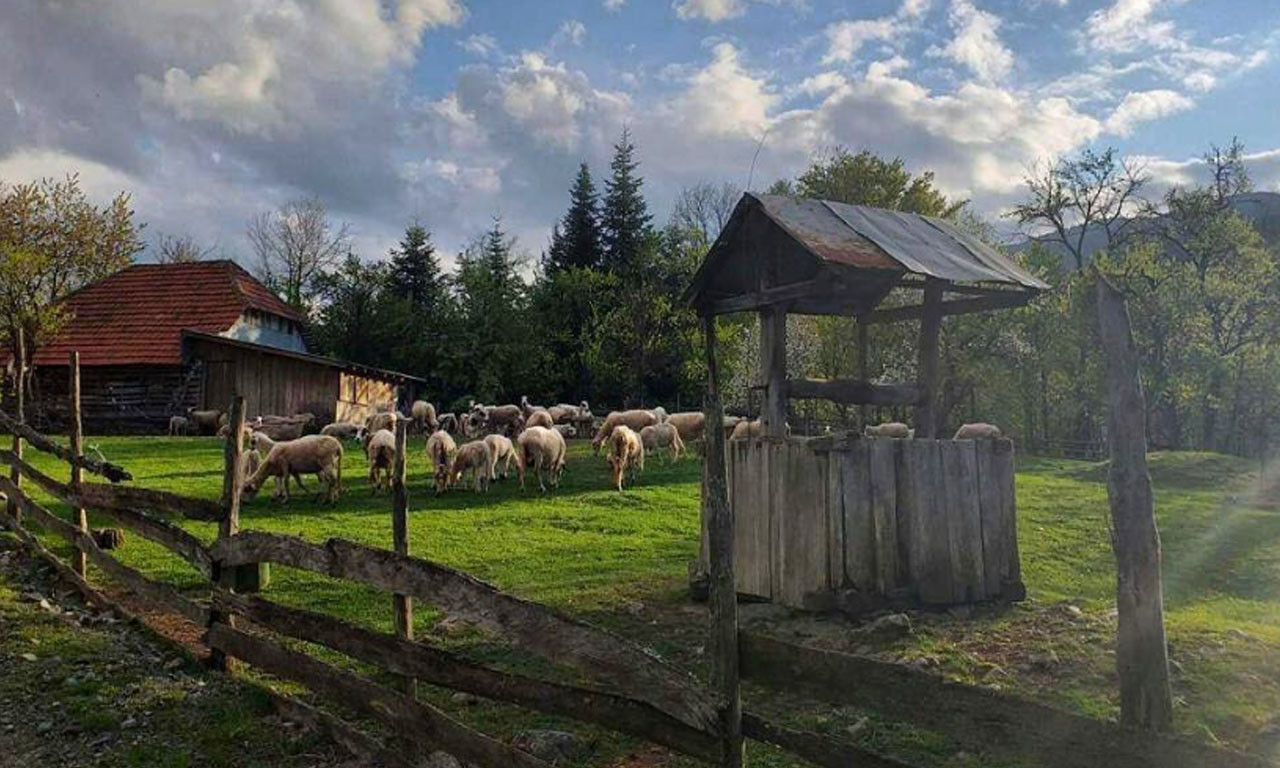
point(620, 559)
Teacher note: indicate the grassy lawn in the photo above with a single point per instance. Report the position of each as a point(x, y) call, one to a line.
point(620, 560)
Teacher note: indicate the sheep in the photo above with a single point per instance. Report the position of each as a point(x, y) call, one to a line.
point(381, 453)
point(477, 457)
point(660, 413)
point(730, 422)
point(567, 431)
point(440, 449)
point(261, 444)
point(890, 429)
point(342, 430)
point(424, 416)
point(755, 428)
point(205, 422)
point(527, 407)
point(540, 419)
point(664, 435)
point(501, 450)
point(636, 419)
point(449, 423)
point(320, 454)
point(281, 428)
point(541, 449)
point(689, 424)
point(626, 454)
point(504, 419)
point(978, 431)
point(379, 421)
point(178, 426)
point(252, 460)
point(563, 413)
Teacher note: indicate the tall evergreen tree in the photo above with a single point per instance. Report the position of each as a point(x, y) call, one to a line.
point(415, 270)
point(576, 241)
point(494, 331)
point(625, 219)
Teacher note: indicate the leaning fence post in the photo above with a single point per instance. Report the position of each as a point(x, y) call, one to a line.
point(723, 597)
point(75, 433)
point(19, 391)
point(229, 525)
point(402, 605)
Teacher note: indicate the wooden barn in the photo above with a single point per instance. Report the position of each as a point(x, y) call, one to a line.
point(848, 521)
point(157, 339)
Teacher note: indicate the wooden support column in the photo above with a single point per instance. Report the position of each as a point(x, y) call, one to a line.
point(1142, 660)
point(927, 361)
point(229, 525)
point(75, 428)
point(723, 598)
point(402, 605)
point(20, 392)
point(862, 369)
point(773, 369)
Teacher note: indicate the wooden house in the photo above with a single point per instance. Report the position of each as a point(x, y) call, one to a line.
point(157, 339)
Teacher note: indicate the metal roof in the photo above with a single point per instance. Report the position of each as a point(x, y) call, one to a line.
point(853, 237)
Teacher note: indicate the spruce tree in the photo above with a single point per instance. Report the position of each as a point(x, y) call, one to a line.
point(625, 220)
point(415, 270)
point(576, 242)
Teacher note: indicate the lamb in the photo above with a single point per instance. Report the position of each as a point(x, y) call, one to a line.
point(205, 422)
point(342, 430)
point(178, 426)
point(320, 454)
point(505, 419)
point(660, 413)
point(689, 424)
point(626, 454)
point(978, 431)
point(440, 449)
point(261, 444)
point(477, 457)
point(501, 450)
point(424, 416)
point(664, 435)
point(541, 449)
point(635, 419)
point(540, 419)
point(381, 453)
point(890, 429)
point(567, 431)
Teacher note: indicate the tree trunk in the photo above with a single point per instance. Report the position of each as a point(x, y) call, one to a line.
point(1141, 653)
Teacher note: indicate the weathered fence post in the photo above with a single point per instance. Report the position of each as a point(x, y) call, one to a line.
point(927, 360)
point(773, 367)
point(402, 605)
point(75, 432)
point(229, 525)
point(1142, 660)
point(863, 375)
point(20, 393)
point(723, 598)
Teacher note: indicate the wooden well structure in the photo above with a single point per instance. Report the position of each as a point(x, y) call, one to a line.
point(846, 521)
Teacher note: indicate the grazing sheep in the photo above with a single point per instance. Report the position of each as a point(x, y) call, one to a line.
point(449, 423)
point(440, 449)
point(540, 419)
point(755, 428)
point(252, 460)
point(890, 429)
point(567, 431)
point(380, 421)
point(424, 416)
point(528, 408)
point(660, 413)
point(563, 413)
point(477, 457)
point(729, 423)
point(381, 453)
point(689, 424)
point(320, 454)
point(178, 426)
point(503, 451)
point(282, 428)
point(342, 430)
point(659, 436)
point(635, 419)
point(978, 431)
point(626, 454)
point(541, 449)
point(205, 422)
point(261, 444)
point(504, 419)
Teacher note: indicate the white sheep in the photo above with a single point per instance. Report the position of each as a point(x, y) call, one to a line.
point(477, 457)
point(689, 424)
point(541, 418)
point(541, 450)
point(381, 453)
point(659, 413)
point(658, 436)
point(205, 422)
point(319, 454)
point(978, 431)
point(636, 419)
point(730, 423)
point(424, 416)
point(626, 454)
point(890, 429)
point(567, 431)
point(178, 426)
point(440, 449)
point(503, 451)
point(379, 421)
point(342, 430)
point(504, 419)
point(744, 429)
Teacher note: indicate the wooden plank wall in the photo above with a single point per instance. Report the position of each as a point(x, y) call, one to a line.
point(272, 385)
point(932, 520)
point(360, 396)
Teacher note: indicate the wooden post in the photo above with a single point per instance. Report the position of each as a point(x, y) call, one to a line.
point(723, 598)
point(74, 431)
point(862, 369)
point(773, 367)
point(229, 525)
point(20, 392)
point(402, 605)
point(927, 362)
point(1142, 660)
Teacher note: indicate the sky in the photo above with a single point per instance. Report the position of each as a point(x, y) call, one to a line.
point(452, 112)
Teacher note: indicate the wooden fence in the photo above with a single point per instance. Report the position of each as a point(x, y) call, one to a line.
point(631, 690)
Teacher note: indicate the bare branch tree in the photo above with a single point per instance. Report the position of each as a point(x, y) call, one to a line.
point(705, 208)
point(295, 245)
point(179, 249)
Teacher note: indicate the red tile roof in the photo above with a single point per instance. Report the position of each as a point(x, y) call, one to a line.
point(137, 315)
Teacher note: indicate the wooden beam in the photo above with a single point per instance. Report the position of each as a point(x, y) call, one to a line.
point(401, 605)
point(223, 574)
point(17, 426)
point(768, 297)
point(356, 742)
point(853, 392)
point(928, 357)
point(75, 437)
point(773, 367)
point(813, 747)
point(953, 307)
point(863, 354)
point(106, 469)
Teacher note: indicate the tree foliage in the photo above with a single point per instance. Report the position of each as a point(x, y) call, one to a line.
point(294, 246)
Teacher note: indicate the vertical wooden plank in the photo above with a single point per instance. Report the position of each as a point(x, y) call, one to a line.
point(402, 605)
point(773, 365)
point(775, 489)
point(964, 520)
point(862, 370)
point(882, 482)
point(833, 507)
point(1002, 461)
point(723, 640)
point(751, 517)
point(927, 360)
point(20, 392)
point(859, 523)
point(801, 511)
point(229, 525)
point(76, 438)
point(920, 488)
point(995, 555)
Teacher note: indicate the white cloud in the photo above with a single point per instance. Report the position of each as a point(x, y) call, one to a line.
point(1143, 106)
point(483, 46)
point(713, 11)
point(724, 98)
point(1127, 25)
point(977, 43)
point(1264, 170)
point(572, 31)
point(614, 5)
point(846, 38)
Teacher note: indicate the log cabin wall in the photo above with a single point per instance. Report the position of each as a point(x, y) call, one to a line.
point(272, 384)
point(115, 399)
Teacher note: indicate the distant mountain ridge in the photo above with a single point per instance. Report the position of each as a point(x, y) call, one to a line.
point(1262, 209)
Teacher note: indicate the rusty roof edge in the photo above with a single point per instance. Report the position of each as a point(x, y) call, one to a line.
point(979, 251)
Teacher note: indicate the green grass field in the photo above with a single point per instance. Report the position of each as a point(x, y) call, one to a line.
point(619, 559)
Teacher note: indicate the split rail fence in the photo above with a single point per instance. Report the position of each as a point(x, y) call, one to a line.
point(632, 691)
